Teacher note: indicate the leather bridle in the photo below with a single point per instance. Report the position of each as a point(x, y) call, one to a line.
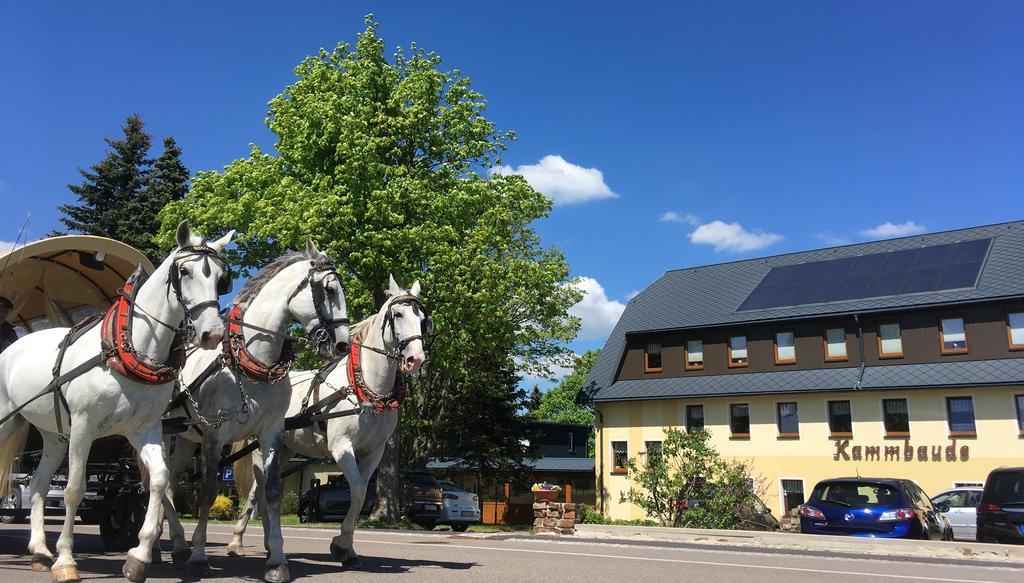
point(399, 343)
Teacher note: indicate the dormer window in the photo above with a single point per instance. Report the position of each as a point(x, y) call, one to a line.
point(953, 335)
point(785, 348)
point(694, 354)
point(738, 351)
point(652, 357)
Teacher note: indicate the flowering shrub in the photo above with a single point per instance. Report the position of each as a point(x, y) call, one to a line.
point(545, 486)
point(223, 508)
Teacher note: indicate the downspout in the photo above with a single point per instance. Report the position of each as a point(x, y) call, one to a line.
point(860, 340)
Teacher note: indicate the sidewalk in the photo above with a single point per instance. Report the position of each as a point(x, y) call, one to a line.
point(894, 548)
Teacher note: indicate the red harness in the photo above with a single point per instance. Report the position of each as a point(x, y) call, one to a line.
point(365, 394)
point(239, 358)
point(116, 340)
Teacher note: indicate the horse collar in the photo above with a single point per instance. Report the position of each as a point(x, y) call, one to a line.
point(237, 356)
point(379, 403)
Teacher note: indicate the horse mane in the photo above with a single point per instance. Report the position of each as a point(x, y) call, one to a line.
point(362, 326)
point(251, 287)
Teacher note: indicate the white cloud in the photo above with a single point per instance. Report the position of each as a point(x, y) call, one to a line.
point(632, 294)
point(6, 246)
point(596, 312)
point(564, 182)
point(830, 238)
point(674, 217)
point(889, 230)
point(732, 237)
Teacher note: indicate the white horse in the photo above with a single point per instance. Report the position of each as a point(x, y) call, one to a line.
point(384, 346)
point(249, 397)
point(102, 402)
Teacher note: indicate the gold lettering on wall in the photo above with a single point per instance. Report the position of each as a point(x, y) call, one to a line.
point(895, 453)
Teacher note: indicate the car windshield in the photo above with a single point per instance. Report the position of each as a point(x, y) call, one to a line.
point(449, 487)
point(424, 480)
point(857, 495)
point(1005, 489)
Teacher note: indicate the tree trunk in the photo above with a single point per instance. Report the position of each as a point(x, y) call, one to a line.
point(389, 507)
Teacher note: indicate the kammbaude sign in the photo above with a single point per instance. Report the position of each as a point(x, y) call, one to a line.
point(895, 453)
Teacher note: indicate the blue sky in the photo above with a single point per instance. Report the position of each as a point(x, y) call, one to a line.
point(670, 135)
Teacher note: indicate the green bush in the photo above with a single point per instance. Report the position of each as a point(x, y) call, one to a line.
point(592, 516)
point(290, 503)
point(223, 508)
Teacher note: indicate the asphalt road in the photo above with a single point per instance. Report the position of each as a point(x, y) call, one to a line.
point(444, 557)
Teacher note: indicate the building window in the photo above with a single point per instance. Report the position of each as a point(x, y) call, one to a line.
point(739, 420)
point(1015, 330)
point(738, 351)
point(890, 342)
point(788, 419)
point(1019, 400)
point(960, 412)
point(785, 349)
point(792, 494)
point(653, 449)
point(840, 421)
point(835, 344)
point(694, 417)
point(896, 417)
point(694, 354)
point(620, 458)
point(953, 335)
point(572, 443)
point(652, 357)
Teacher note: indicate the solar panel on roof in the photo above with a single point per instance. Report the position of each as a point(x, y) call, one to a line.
point(936, 268)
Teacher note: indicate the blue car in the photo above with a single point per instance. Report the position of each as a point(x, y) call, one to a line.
point(873, 507)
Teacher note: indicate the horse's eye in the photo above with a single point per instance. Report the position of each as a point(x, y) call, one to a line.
point(183, 271)
point(398, 315)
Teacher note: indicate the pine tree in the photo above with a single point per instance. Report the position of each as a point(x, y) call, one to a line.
point(168, 182)
point(535, 399)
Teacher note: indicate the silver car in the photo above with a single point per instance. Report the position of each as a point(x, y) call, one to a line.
point(460, 508)
point(963, 510)
point(18, 500)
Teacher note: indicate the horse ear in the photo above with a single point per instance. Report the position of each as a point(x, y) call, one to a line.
point(221, 243)
point(415, 289)
point(311, 252)
point(184, 235)
point(393, 288)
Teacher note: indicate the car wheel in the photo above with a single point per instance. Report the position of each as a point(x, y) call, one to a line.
point(119, 529)
point(306, 514)
point(13, 502)
point(460, 526)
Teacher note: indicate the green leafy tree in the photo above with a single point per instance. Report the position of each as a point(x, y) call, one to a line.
point(688, 468)
point(384, 163)
point(121, 195)
point(561, 404)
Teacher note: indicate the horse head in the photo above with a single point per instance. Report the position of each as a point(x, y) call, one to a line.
point(197, 277)
point(409, 323)
point(322, 312)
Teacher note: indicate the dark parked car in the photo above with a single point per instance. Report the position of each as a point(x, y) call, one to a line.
point(331, 501)
point(422, 498)
point(1001, 509)
point(873, 507)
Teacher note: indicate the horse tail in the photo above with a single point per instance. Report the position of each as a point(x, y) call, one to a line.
point(244, 476)
point(16, 431)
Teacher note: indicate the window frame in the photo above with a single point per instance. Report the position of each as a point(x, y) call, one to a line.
point(1009, 332)
point(647, 450)
point(949, 417)
point(782, 493)
point(572, 442)
point(746, 343)
point(617, 469)
point(1018, 400)
point(732, 433)
point(647, 353)
point(878, 337)
point(778, 420)
point(885, 430)
point(689, 428)
point(828, 417)
point(775, 348)
point(942, 337)
point(686, 354)
point(846, 345)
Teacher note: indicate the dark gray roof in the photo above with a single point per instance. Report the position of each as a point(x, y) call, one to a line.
point(974, 373)
point(710, 295)
point(544, 464)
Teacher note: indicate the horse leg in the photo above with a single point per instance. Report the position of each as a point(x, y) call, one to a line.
point(178, 466)
point(54, 452)
point(65, 569)
point(357, 473)
point(235, 547)
point(198, 565)
point(272, 448)
point(151, 454)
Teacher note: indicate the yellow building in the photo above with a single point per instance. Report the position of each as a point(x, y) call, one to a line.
point(899, 358)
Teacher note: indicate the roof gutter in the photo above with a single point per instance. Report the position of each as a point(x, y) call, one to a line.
point(860, 341)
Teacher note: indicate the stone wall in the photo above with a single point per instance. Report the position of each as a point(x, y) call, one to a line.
point(555, 518)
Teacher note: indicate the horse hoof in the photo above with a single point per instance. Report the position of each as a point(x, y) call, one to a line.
point(134, 570)
point(338, 553)
point(180, 557)
point(348, 558)
point(352, 562)
point(235, 551)
point(41, 562)
point(277, 574)
point(198, 568)
point(65, 574)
